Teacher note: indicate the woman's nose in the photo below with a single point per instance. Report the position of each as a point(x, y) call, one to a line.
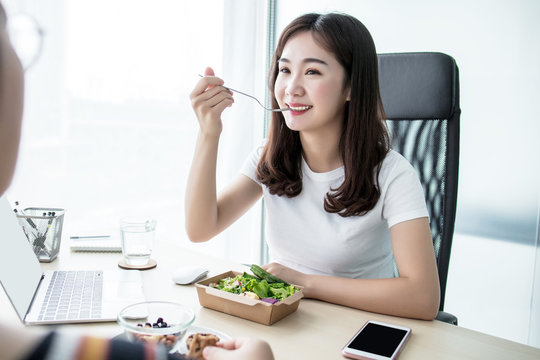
point(294, 86)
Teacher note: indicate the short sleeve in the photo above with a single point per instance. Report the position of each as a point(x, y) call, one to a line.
point(249, 168)
point(403, 194)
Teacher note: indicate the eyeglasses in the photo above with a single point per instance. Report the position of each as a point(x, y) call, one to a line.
point(26, 36)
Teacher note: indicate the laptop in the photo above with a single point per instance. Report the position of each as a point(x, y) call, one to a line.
point(89, 296)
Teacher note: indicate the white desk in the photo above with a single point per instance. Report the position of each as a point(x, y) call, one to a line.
point(317, 330)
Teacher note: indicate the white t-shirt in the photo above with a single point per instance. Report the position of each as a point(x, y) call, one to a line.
point(302, 235)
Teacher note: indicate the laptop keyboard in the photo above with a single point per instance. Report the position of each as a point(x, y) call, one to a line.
point(73, 295)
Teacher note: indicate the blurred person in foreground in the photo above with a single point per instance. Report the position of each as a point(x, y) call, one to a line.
point(21, 343)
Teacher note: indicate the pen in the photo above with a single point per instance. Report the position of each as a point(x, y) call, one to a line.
point(43, 224)
point(20, 211)
point(89, 237)
point(52, 217)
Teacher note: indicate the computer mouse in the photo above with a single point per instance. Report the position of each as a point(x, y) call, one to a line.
point(189, 274)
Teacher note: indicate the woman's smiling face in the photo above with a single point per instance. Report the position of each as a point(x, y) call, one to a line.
point(310, 82)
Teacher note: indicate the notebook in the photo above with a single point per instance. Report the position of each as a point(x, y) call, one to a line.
point(95, 295)
point(99, 243)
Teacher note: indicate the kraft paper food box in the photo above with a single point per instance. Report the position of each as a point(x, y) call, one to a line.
point(242, 306)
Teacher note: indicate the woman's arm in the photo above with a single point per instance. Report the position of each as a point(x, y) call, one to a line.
point(414, 294)
point(231, 203)
point(15, 342)
point(206, 214)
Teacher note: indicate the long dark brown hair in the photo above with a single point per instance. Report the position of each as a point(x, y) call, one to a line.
point(364, 140)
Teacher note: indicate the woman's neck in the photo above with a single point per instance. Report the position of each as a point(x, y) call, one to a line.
point(321, 150)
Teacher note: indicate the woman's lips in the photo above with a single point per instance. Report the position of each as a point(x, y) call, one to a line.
point(299, 107)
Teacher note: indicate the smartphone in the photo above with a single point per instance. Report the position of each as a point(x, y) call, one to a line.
point(377, 341)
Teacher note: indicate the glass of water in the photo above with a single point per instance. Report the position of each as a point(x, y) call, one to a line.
point(137, 239)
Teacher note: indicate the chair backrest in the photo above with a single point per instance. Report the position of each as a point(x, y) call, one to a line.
point(420, 94)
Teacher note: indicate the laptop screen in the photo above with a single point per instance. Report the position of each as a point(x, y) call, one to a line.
point(20, 271)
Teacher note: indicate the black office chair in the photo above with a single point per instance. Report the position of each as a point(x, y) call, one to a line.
point(420, 94)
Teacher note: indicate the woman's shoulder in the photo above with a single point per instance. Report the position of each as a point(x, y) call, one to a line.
point(394, 163)
point(257, 150)
point(249, 167)
point(394, 158)
point(262, 144)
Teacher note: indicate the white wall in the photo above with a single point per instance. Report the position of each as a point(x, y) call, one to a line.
point(496, 46)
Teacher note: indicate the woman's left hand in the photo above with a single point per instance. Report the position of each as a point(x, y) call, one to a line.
point(286, 274)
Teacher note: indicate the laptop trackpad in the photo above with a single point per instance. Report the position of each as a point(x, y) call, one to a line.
point(120, 289)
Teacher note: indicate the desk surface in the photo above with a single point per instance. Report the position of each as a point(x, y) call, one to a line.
point(317, 330)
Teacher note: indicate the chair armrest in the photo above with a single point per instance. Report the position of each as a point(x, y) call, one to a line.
point(447, 318)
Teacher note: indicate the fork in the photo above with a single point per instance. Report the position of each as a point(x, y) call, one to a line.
point(254, 98)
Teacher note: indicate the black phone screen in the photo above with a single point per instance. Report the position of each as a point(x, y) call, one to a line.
point(378, 339)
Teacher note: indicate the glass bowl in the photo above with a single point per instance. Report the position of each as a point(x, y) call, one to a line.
point(156, 322)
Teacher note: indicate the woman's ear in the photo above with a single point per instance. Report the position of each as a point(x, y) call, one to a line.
point(347, 90)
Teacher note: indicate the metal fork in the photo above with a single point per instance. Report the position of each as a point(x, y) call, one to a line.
point(254, 98)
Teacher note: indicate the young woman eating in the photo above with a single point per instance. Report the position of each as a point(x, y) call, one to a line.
point(343, 210)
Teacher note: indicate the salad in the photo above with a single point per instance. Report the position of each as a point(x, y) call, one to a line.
point(261, 286)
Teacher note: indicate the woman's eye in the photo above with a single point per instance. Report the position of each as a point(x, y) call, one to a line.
point(284, 70)
point(312, 72)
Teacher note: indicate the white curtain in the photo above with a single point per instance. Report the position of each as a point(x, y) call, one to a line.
point(244, 69)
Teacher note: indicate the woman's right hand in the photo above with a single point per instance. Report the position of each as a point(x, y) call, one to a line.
point(208, 100)
point(239, 349)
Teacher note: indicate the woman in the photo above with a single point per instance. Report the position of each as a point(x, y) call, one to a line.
point(19, 343)
point(341, 206)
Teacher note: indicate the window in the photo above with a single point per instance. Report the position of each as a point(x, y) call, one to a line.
point(108, 126)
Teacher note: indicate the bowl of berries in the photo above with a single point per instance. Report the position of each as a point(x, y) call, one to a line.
point(156, 322)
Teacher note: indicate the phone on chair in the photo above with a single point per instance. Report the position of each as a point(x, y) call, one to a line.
point(377, 341)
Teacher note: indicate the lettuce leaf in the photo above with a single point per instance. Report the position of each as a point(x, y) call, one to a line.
point(242, 283)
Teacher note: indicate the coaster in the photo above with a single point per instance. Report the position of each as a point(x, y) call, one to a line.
point(150, 265)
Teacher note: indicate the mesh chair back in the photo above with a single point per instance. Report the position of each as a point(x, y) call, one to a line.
point(420, 94)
